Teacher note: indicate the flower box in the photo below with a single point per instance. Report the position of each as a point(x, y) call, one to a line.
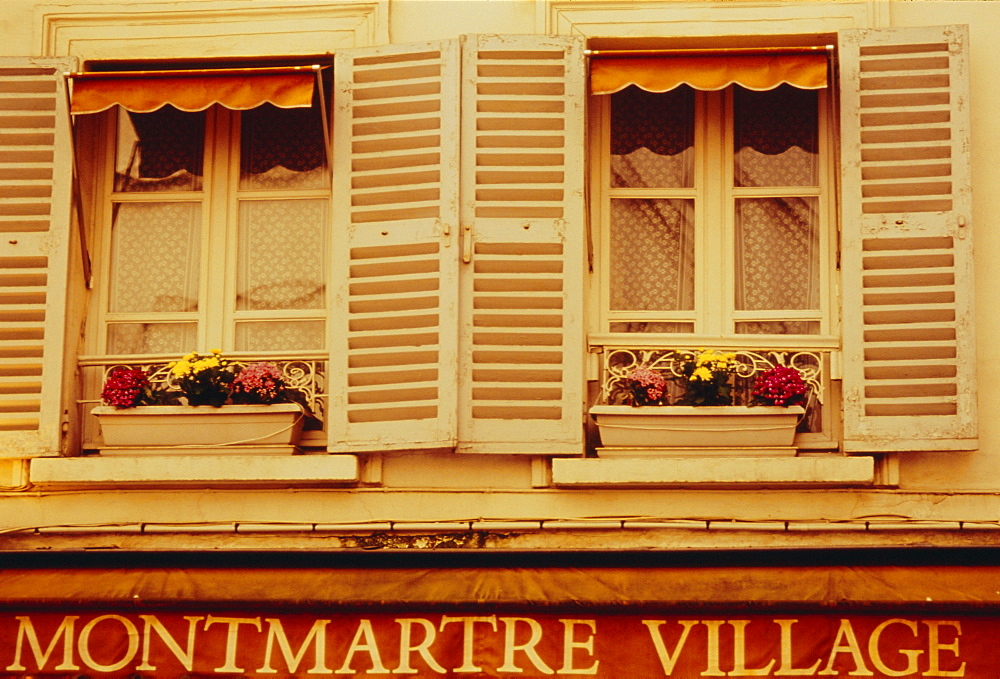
point(188, 430)
point(749, 431)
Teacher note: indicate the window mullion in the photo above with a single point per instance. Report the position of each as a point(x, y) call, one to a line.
point(714, 226)
point(218, 254)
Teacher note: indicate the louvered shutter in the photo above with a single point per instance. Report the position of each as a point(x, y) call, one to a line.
point(909, 357)
point(393, 323)
point(35, 228)
point(523, 245)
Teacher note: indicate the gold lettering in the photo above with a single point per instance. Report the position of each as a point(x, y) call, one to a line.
point(740, 651)
point(668, 659)
point(406, 649)
point(317, 635)
point(151, 623)
point(232, 636)
point(786, 669)
point(26, 630)
point(468, 623)
point(83, 644)
point(935, 646)
point(847, 632)
point(368, 646)
point(712, 652)
point(876, 656)
point(569, 645)
point(528, 648)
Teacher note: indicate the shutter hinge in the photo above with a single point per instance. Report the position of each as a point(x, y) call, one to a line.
point(962, 223)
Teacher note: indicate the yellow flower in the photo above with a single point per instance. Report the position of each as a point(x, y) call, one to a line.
point(701, 373)
point(216, 351)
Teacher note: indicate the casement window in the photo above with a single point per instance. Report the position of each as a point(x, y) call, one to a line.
point(714, 216)
point(718, 217)
point(215, 230)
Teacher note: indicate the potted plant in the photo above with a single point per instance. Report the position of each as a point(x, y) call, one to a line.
point(210, 405)
point(697, 416)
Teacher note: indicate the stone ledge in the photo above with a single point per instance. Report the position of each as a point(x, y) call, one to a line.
point(194, 470)
point(770, 472)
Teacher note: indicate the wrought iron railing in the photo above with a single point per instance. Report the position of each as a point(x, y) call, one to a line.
point(618, 363)
point(307, 377)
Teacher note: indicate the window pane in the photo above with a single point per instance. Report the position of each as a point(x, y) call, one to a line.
point(652, 138)
point(282, 149)
point(280, 335)
point(777, 328)
point(151, 338)
point(777, 254)
point(154, 257)
point(160, 151)
point(281, 255)
point(775, 137)
point(652, 255)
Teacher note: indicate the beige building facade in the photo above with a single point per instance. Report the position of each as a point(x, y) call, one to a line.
point(456, 245)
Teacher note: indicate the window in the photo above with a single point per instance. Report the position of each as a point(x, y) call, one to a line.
point(216, 231)
point(717, 217)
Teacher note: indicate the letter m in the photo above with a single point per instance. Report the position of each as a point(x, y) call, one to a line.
point(317, 635)
point(26, 630)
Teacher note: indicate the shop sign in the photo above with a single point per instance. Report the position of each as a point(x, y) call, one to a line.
point(174, 643)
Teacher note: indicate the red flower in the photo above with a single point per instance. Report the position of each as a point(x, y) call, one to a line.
point(125, 387)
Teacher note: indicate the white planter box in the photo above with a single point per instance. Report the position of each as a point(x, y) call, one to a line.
point(200, 429)
point(697, 430)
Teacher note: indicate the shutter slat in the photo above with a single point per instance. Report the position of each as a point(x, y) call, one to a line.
point(909, 359)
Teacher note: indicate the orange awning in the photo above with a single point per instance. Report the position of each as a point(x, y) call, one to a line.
point(663, 70)
point(239, 89)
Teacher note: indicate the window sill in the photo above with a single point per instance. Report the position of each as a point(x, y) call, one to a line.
point(771, 472)
point(194, 470)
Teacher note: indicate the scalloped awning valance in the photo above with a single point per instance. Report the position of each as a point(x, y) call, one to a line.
point(712, 69)
point(239, 89)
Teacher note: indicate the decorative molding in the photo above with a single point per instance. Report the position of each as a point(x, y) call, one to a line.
point(209, 28)
point(675, 18)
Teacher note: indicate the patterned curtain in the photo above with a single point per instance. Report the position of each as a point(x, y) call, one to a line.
point(652, 138)
point(160, 151)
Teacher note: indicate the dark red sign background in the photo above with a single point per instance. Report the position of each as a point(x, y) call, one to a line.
point(174, 643)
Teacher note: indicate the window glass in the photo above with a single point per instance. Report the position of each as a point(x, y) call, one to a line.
point(652, 138)
point(160, 151)
point(280, 261)
point(652, 254)
point(775, 137)
point(282, 149)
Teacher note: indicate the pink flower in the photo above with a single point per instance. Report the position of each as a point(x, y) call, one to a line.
point(259, 383)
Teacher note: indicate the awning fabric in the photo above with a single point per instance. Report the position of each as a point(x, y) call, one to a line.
point(239, 89)
point(821, 587)
point(609, 74)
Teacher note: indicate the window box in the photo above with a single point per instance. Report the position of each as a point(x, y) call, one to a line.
point(747, 431)
point(260, 429)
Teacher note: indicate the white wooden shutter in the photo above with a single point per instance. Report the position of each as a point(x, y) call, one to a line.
point(393, 321)
point(35, 231)
point(909, 356)
point(523, 245)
